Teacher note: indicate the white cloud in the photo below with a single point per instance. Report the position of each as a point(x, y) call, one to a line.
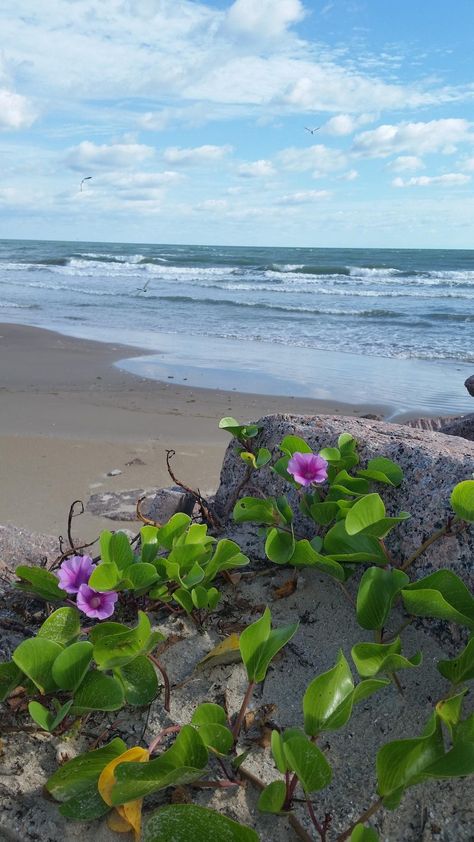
point(319, 158)
point(469, 164)
point(256, 169)
point(432, 136)
point(263, 18)
point(303, 197)
point(407, 163)
point(16, 111)
point(206, 154)
point(447, 180)
point(350, 175)
point(344, 124)
point(88, 155)
point(213, 205)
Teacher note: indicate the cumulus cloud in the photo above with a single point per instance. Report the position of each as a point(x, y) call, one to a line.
point(318, 158)
point(407, 163)
point(344, 124)
point(263, 19)
point(16, 111)
point(432, 136)
point(213, 205)
point(447, 180)
point(256, 169)
point(88, 155)
point(350, 175)
point(303, 197)
point(190, 156)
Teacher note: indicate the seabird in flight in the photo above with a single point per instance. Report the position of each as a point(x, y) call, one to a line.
point(312, 131)
point(87, 178)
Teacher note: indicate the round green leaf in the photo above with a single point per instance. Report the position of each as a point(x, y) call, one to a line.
point(139, 681)
point(10, 677)
point(105, 577)
point(272, 798)
point(441, 594)
point(309, 763)
point(71, 665)
point(40, 582)
point(377, 591)
point(373, 658)
point(98, 692)
point(62, 626)
point(178, 822)
point(462, 500)
point(364, 834)
point(279, 546)
point(35, 657)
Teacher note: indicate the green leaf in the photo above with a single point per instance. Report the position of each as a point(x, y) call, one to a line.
point(142, 575)
point(10, 677)
point(175, 528)
point(305, 556)
point(259, 644)
point(324, 701)
point(184, 599)
point(227, 555)
point(349, 485)
point(403, 763)
point(211, 723)
point(353, 548)
point(98, 692)
point(279, 546)
point(199, 597)
point(377, 591)
point(272, 799)
point(139, 681)
point(35, 657)
point(239, 431)
point(263, 457)
point(45, 719)
point(309, 763)
point(383, 470)
point(63, 626)
point(208, 713)
point(367, 516)
point(443, 595)
point(278, 753)
point(106, 576)
point(364, 834)
point(462, 500)
point(256, 510)
point(71, 665)
point(180, 764)
point(373, 658)
point(449, 710)
point(40, 582)
point(174, 823)
point(294, 444)
point(324, 513)
point(75, 783)
point(120, 551)
point(118, 645)
point(461, 668)
point(330, 454)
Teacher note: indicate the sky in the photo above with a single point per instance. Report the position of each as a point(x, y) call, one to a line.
point(190, 120)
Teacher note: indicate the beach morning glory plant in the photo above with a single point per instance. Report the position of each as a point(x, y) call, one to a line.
point(97, 604)
point(74, 572)
point(308, 468)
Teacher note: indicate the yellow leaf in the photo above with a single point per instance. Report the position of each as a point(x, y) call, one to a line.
point(127, 816)
point(226, 652)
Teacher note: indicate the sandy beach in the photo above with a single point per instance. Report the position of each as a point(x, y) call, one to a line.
point(68, 417)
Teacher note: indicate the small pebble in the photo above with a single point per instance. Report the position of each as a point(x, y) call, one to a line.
point(114, 473)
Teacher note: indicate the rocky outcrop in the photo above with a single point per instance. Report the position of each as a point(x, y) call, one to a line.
point(432, 464)
point(158, 506)
point(469, 384)
point(18, 546)
point(462, 427)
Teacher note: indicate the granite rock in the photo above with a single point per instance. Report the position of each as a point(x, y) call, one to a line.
point(19, 546)
point(432, 464)
point(462, 427)
point(158, 506)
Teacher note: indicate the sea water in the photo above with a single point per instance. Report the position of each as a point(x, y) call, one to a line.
point(380, 325)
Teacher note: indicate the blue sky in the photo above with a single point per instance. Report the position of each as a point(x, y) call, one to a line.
point(190, 117)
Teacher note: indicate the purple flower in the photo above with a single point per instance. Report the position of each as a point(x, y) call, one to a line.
point(96, 603)
point(307, 468)
point(74, 572)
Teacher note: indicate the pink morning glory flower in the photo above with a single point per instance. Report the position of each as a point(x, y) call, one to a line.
point(74, 572)
point(307, 468)
point(96, 604)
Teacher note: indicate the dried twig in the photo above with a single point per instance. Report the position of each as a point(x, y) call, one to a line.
point(206, 512)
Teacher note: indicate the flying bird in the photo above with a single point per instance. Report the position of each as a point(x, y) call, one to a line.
point(144, 288)
point(87, 178)
point(312, 131)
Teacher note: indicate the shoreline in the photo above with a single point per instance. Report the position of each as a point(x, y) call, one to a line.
point(69, 416)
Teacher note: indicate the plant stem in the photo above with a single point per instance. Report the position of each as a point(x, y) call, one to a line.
point(446, 530)
point(243, 708)
point(166, 681)
point(399, 630)
point(396, 681)
point(171, 729)
point(319, 828)
point(361, 820)
point(292, 820)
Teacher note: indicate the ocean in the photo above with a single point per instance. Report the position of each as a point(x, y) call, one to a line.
point(389, 326)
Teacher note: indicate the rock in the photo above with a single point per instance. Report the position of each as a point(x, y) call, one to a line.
point(469, 384)
point(168, 501)
point(432, 464)
point(371, 416)
point(115, 505)
point(115, 473)
point(18, 546)
point(158, 506)
point(434, 424)
point(462, 427)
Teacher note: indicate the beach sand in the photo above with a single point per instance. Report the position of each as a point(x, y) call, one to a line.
point(68, 417)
